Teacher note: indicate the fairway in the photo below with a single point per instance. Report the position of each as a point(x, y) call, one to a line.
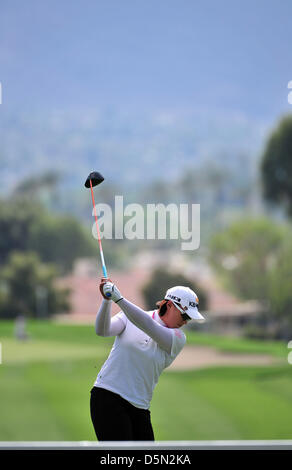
point(45, 385)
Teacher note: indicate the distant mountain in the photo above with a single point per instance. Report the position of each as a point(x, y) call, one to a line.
point(140, 90)
point(130, 149)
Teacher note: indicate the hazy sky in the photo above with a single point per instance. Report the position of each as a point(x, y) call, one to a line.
point(231, 55)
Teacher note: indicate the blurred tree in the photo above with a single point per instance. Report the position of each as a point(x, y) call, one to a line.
point(27, 288)
point(44, 187)
point(161, 280)
point(16, 219)
point(253, 257)
point(243, 253)
point(27, 226)
point(33, 186)
point(60, 240)
point(209, 182)
point(158, 191)
point(280, 292)
point(276, 166)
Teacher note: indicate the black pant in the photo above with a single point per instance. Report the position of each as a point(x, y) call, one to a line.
point(115, 419)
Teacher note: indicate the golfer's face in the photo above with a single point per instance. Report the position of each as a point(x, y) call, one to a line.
point(173, 318)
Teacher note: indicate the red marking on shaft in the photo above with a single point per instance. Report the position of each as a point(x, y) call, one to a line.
point(95, 216)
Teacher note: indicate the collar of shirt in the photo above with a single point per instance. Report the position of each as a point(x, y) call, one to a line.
point(157, 318)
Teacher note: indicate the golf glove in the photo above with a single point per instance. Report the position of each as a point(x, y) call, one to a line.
point(111, 292)
point(103, 281)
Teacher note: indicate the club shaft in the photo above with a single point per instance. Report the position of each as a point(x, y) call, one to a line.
point(98, 234)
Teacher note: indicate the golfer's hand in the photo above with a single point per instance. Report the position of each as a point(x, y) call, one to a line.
point(111, 292)
point(102, 283)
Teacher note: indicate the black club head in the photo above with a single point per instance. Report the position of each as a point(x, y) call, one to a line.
point(95, 177)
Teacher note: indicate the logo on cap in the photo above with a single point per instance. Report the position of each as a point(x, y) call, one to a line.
point(174, 297)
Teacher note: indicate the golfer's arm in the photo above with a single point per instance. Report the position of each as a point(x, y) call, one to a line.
point(105, 325)
point(160, 334)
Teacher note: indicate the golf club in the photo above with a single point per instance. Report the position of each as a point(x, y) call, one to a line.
point(94, 179)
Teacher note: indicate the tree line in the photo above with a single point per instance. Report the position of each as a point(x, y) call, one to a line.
point(253, 255)
point(37, 246)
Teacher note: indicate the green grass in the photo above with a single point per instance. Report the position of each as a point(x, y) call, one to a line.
point(225, 403)
point(237, 345)
point(45, 384)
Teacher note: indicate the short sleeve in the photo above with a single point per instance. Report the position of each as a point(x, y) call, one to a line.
point(178, 341)
point(117, 325)
point(122, 317)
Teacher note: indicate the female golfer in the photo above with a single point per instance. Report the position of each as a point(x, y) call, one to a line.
point(146, 343)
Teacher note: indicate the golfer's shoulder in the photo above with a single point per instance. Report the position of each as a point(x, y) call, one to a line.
point(180, 335)
point(178, 342)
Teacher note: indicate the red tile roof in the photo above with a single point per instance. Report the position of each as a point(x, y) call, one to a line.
point(85, 297)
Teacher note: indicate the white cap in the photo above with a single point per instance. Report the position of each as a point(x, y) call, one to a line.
point(186, 300)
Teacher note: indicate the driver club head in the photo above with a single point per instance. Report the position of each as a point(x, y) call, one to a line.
point(95, 177)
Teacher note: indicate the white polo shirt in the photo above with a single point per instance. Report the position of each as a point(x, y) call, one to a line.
point(136, 361)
